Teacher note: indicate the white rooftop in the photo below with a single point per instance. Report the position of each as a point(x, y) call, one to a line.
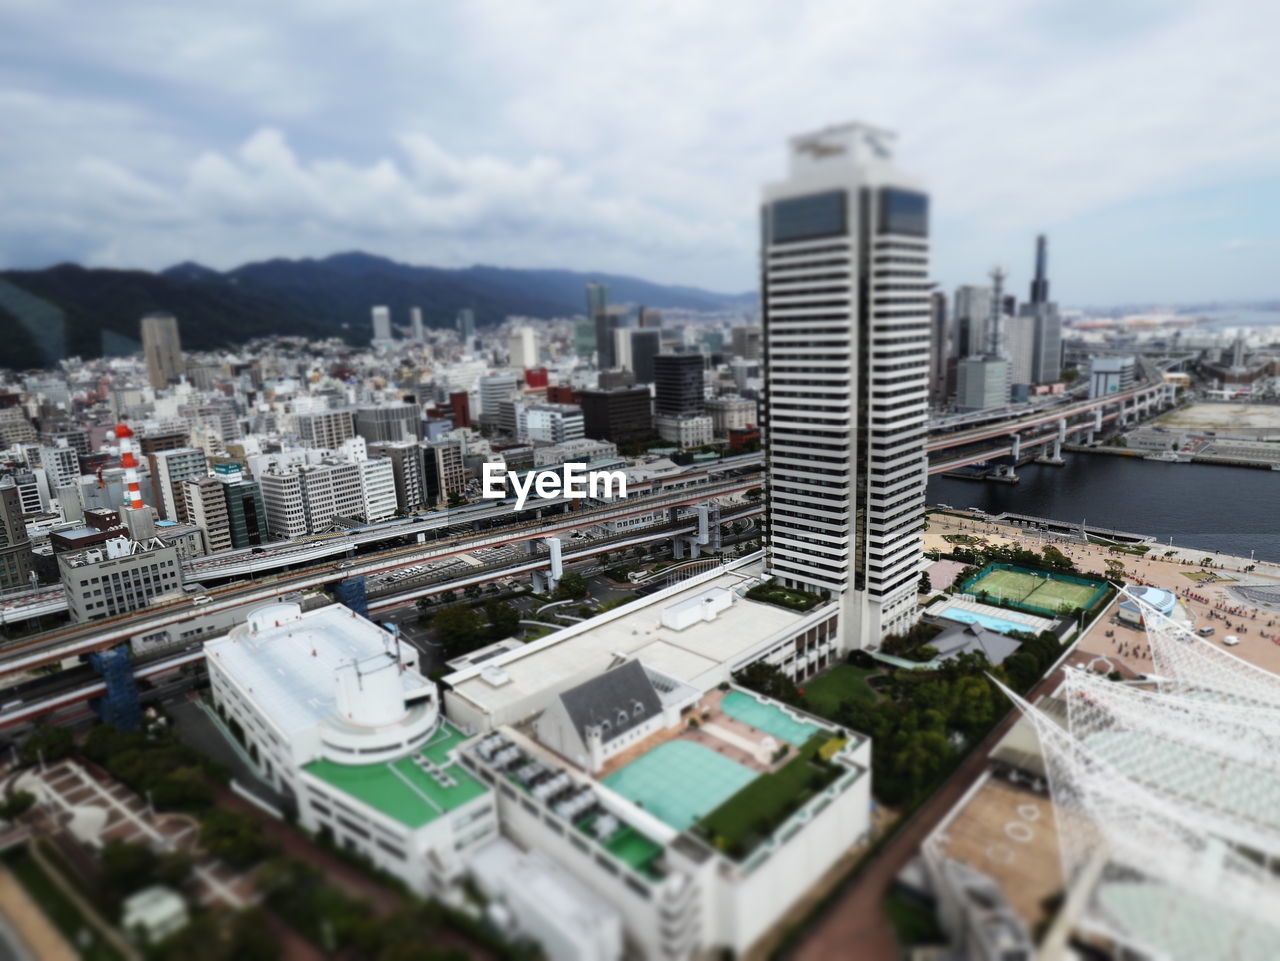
point(298, 666)
point(695, 654)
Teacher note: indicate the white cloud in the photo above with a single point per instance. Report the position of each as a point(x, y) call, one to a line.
point(631, 137)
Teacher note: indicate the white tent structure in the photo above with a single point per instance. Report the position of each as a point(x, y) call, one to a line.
point(1168, 802)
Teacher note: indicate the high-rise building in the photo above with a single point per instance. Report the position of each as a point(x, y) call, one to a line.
point(679, 384)
point(494, 389)
point(246, 514)
point(748, 341)
point(61, 466)
point(381, 325)
point(443, 471)
point(982, 382)
point(416, 318)
point(324, 429)
point(939, 347)
point(597, 299)
point(163, 349)
point(206, 499)
point(406, 470)
point(623, 415)
point(645, 345)
point(1110, 375)
point(973, 308)
point(15, 546)
point(172, 467)
point(846, 325)
point(523, 347)
point(551, 423)
point(377, 488)
point(389, 423)
point(466, 326)
point(460, 407)
point(1046, 324)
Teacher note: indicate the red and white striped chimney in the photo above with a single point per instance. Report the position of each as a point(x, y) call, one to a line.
point(133, 495)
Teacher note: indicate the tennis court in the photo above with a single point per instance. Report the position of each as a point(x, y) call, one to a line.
point(767, 717)
point(679, 782)
point(1034, 590)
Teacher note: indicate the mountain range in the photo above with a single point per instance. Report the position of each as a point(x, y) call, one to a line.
point(68, 310)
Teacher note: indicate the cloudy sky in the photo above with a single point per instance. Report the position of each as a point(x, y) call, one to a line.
point(1142, 135)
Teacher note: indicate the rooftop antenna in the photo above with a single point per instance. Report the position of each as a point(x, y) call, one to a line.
point(997, 308)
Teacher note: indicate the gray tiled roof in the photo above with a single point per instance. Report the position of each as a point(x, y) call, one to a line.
point(623, 697)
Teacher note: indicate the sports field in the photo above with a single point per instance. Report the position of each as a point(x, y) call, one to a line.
point(1032, 589)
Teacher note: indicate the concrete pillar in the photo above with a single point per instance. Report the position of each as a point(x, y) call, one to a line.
point(1057, 448)
point(1017, 447)
point(557, 568)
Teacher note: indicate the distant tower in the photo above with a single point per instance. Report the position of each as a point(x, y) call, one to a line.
point(1040, 284)
point(994, 345)
point(133, 494)
point(416, 314)
point(466, 324)
point(382, 325)
point(163, 349)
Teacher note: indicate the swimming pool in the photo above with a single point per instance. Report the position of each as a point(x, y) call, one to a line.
point(767, 717)
point(998, 624)
point(680, 781)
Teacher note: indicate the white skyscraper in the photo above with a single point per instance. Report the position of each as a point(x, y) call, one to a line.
point(846, 325)
point(416, 315)
point(523, 347)
point(381, 325)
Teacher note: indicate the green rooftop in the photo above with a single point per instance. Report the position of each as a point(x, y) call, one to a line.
point(403, 790)
point(631, 848)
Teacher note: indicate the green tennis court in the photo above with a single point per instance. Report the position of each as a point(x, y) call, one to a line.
point(1034, 591)
point(767, 717)
point(679, 782)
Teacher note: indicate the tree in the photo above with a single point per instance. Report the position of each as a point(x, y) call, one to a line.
point(126, 868)
point(234, 837)
point(572, 587)
point(926, 585)
point(504, 620)
point(458, 629)
point(769, 681)
point(48, 742)
point(16, 805)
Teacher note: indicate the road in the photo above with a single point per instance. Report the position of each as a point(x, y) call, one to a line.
point(857, 916)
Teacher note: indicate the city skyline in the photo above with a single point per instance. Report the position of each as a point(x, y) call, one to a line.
point(428, 139)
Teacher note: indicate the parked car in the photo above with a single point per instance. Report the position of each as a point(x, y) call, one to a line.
point(1231, 640)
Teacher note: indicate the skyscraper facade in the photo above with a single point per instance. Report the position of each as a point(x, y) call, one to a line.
point(678, 384)
point(381, 325)
point(845, 264)
point(1046, 324)
point(163, 349)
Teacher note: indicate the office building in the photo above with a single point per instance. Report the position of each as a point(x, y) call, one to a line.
point(610, 379)
point(389, 423)
point(581, 451)
point(460, 408)
point(246, 513)
point(465, 323)
point(1110, 375)
point(846, 321)
point(1046, 334)
point(415, 315)
point(940, 349)
point(162, 348)
point(206, 500)
point(1018, 341)
point(973, 308)
point(982, 382)
point(61, 466)
point(443, 471)
point(377, 489)
point(324, 429)
point(748, 342)
point(172, 468)
point(120, 576)
point(406, 472)
point(623, 415)
point(15, 427)
point(551, 423)
point(15, 545)
point(496, 388)
point(306, 498)
point(219, 419)
point(523, 347)
point(644, 347)
point(597, 299)
point(678, 383)
point(381, 325)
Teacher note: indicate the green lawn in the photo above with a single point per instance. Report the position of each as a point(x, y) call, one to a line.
point(753, 813)
point(64, 915)
point(823, 695)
